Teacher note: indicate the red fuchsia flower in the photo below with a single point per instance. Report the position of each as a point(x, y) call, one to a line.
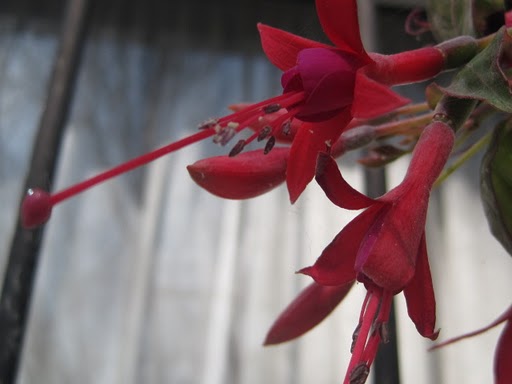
point(324, 87)
point(503, 354)
point(384, 248)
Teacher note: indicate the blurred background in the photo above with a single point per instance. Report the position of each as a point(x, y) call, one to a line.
point(148, 278)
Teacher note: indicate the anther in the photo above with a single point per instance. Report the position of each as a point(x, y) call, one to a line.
point(207, 124)
point(271, 108)
point(286, 128)
point(359, 374)
point(239, 147)
point(355, 335)
point(264, 132)
point(383, 332)
point(270, 144)
point(225, 134)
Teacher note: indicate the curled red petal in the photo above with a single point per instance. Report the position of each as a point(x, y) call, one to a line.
point(335, 266)
point(329, 177)
point(372, 99)
point(311, 139)
point(307, 310)
point(244, 176)
point(419, 295)
point(282, 47)
point(503, 356)
point(340, 23)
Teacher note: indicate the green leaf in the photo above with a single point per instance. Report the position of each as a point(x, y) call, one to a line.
point(483, 79)
point(496, 184)
point(450, 18)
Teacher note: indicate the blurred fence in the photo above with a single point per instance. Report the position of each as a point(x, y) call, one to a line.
point(148, 279)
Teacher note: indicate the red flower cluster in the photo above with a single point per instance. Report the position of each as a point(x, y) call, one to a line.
point(324, 87)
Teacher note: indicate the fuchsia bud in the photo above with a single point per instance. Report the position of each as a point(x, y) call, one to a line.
point(245, 176)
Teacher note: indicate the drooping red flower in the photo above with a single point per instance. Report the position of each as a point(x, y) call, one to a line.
point(325, 86)
point(384, 247)
point(503, 354)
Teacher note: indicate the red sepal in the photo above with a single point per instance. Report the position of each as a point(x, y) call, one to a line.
point(340, 23)
point(329, 177)
point(419, 295)
point(244, 176)
point(335, 266)
point(311, 139)
point(372, 99)
point(307, 310)
point(282, 47)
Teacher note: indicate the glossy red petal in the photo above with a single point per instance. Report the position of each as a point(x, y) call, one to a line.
point(329, 177)
point(307, 310)
point(311, 139)
point(419, 295)
point(372, 99)
point(335, 266)
point(244, 176)
point(340, 23)
point(503, 356)
point(282, 47)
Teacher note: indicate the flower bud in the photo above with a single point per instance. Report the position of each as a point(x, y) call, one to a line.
point(244, 176)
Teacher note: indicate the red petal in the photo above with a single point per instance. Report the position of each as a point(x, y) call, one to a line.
point(282, 47)
point(335, 266)
point(309, 140)
point(244, 176)
point(329, 177)
point(372, 99)
point(503, 357)
point(307, 310)
point(419, 294)
point(340, 23)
